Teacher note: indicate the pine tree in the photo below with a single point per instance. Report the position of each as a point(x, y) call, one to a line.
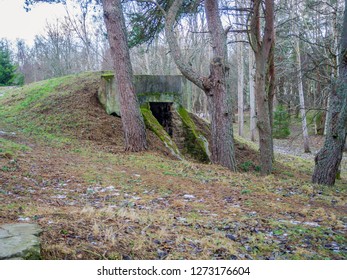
point(7, 69)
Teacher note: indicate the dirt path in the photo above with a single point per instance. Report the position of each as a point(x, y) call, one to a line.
point(293, 146)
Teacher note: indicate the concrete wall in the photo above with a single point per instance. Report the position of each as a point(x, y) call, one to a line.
point(149, 88)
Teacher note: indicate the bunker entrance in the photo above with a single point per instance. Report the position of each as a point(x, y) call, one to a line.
point(162, 112)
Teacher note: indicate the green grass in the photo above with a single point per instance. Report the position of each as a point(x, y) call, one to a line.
point(10, 149)
point(34, 108)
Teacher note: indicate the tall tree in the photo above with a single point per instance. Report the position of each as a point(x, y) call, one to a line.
point(302, 98)
point(133, 124)
point(328, 159)
point(263, 46)
point(240, 78)
point(215, 86)
point(251, 94)
point(299, 78)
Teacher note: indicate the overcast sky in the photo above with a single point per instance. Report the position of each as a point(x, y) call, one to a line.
point(15, 22)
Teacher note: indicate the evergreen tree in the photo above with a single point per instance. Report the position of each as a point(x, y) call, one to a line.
point(281, 123)
point(7, 69)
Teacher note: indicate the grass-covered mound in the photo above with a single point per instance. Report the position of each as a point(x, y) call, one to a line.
point(62, 165)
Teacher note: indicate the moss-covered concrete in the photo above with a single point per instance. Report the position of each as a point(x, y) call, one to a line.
point(158, 97)
point(153, 124)
point(149, 88)
point(196, 145)
point(108, 94)
point(173, 89)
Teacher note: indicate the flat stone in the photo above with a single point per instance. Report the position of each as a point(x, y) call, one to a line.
point(22, 229)
point(20, 241)
point(4, 233)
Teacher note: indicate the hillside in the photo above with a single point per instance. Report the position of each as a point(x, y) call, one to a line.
point(62, 165)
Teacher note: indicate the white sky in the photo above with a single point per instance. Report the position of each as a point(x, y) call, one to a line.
point(15, 22)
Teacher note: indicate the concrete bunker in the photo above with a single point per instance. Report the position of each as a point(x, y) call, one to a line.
point(165, 102)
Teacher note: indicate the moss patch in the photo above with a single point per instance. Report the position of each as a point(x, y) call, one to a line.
point(152, 124)
point(196, 144)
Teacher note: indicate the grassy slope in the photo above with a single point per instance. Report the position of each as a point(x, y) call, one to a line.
point(64, 168)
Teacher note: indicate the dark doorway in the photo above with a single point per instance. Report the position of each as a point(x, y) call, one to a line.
point(162, 112)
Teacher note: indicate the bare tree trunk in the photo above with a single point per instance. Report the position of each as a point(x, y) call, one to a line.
point(270, 89)
point(240, 103)
point(251, 94)
point(302, 99)
point(328, 159)
point(214, 86)
point(263, 123)
point(262, 44)
point(222, 132)
point(133, 124)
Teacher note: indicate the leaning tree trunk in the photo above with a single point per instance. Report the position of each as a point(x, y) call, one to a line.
point(133, 124)
point(215, 86)
point(328, 159)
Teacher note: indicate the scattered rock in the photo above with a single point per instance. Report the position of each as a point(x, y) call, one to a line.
point(311, 224)
point(230, 236)
point(161, 254)
point(23, 219)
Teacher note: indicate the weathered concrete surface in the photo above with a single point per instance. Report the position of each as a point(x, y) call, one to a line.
point(20, 241)
point(149, 88)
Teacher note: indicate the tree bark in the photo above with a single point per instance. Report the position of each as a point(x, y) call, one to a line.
point(328, 159)
point(262, 45)
point(215, 86)
point(296, 9)
point(302, 99)
point(132, 120)
point(240, 83)
point(270, 89)
point(251, 95)
point(263, 123)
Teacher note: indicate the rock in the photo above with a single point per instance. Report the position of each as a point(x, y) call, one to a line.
point(230, 236)
point(20, 241)
point(189, 196)
point(161, 254)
